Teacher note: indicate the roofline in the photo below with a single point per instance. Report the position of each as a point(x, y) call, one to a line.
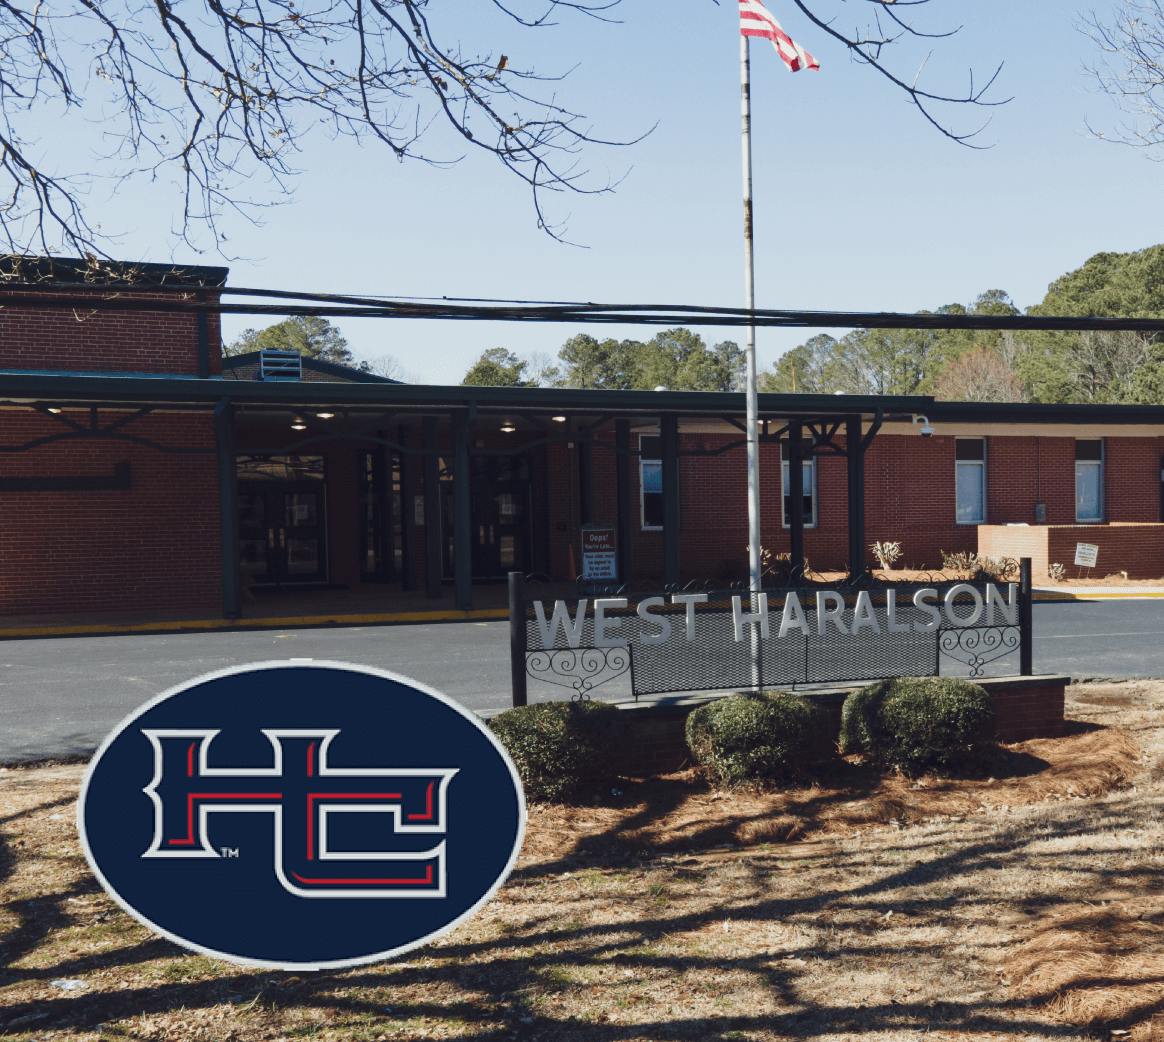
point(137, 389)
point(77, 273)
point(1044, 412)
point(318, 364)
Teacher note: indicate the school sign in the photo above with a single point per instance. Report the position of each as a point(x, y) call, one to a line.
point(698, 640)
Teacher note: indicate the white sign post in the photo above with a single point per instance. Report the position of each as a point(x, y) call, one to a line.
point(1086, 555)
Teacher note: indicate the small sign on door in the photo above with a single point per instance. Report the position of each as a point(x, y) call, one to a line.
point(1086, 555)
point(599, 553)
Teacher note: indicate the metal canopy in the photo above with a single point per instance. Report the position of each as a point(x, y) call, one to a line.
point(180, 392)
point(25, 387)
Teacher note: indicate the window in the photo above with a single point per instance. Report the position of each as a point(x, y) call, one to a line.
point(970, 480)
point(651, 481)
point(808, 485)
point(1089, 480)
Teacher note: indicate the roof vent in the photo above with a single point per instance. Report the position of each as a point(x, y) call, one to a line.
point(276, 364)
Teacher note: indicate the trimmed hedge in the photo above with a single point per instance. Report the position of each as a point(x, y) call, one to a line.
point(769, 737)
point(560, 749)
point(919, 724)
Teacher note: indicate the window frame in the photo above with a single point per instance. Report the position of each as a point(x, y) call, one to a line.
point(807, 460)
point(983, 478)
point(643, 526)
point(1101, 466)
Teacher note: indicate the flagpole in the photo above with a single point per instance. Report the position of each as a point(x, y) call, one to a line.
point(755, 576)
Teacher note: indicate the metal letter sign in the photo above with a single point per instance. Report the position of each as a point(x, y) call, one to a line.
point(1086, 554)
point(301, 815)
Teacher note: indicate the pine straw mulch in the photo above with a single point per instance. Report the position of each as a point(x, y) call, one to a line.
point(679, 812)
point(1022, 904)
point(1100, 958)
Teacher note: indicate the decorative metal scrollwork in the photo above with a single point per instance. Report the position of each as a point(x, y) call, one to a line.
point(976, 647)
point(578, 669)
point(929, 577)
point(591, 588)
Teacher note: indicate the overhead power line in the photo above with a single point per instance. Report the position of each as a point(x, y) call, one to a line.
point(84, 298)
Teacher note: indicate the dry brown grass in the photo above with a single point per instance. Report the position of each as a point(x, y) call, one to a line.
point(1023, 906)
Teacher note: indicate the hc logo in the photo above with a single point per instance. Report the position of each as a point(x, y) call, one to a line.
point(267, 814)
point(305, 793)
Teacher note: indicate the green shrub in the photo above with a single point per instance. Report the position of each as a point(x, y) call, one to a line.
point(918, 725)
point(769, 737)
point(560, 749)
point(856, 719)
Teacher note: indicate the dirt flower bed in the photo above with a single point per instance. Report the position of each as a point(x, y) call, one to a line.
point(1025, 903)
point(679, 812)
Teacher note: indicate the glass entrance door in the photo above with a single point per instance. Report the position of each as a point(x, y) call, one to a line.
point(302, 548)
point(282, 534)
point(500, 511)
point(282, 521)
point(500, 515)
point(501, 524)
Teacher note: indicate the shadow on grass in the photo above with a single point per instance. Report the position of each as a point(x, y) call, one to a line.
point(507, 988)
point(841, 793)
point(522, 980)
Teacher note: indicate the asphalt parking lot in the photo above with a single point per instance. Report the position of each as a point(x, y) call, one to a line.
point(59, 697)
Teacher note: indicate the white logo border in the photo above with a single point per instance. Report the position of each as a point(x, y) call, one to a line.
point(254, 667)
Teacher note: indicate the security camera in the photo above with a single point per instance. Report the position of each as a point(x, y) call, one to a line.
point(926, 430)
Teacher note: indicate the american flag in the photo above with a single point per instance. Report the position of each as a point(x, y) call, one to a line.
point(755, 20)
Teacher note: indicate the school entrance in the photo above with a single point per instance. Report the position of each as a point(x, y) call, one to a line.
point(500, 506)
point(282, 520)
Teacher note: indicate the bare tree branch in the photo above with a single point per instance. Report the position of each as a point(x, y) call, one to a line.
point(226, 92)
point(868, 46)
point(1130, 41)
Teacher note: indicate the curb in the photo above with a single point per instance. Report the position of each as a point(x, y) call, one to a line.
point(285, 622)
point(1051, 596)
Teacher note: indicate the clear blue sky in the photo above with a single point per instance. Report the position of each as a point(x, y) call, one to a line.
point(859, 204)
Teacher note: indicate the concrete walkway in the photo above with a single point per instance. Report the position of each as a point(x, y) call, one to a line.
point(327, 609)
point(369, 605)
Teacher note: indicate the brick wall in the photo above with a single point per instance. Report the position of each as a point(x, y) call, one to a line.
point(1001, 541)
point(1132, 479)
point(1135, 548)
point(152, 546)
point(910, 498)
point(106, 340)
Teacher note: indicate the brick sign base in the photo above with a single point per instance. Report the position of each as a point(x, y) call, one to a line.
point(1024, 707)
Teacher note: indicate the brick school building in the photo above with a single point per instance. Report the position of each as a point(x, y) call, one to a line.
point(142, 474)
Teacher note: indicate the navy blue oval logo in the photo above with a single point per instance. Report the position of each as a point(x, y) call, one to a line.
point(301, 815)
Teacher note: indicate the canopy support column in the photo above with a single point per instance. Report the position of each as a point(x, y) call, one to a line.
point(228, 509)
point(585, 478)
point(430, 478)
point(407, 512)
point(462, 514)
point(622, 464)
point(855, 451)
point(794, 493)
point(669, 429)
